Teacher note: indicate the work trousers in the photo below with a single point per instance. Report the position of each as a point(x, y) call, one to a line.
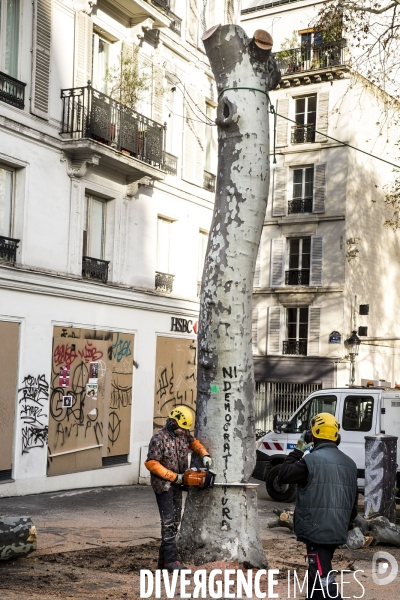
point(170, 507)
point(320, 562)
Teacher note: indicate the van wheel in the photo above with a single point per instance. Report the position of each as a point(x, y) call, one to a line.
point(284, 492)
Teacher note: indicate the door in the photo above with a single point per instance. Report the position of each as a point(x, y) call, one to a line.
point(358, 418)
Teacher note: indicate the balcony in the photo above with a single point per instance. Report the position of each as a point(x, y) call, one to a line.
point(88, 114)
point(297, 277)
point(295, 347)
point(302, 134)
point(12, 91)
point(170, 163)
point(299, 205)
point(164, 282)
point(94, 268)
point(8, 249)
point(311, 57)
point(209, 181)
point(176, 23)
point(150, 13)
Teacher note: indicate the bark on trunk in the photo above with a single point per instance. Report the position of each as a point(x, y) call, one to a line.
point(222, 523)
point(17, 537)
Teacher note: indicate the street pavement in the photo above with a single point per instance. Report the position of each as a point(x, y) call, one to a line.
point(79, 527)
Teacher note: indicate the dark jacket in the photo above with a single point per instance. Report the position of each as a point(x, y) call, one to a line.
point(327, 493)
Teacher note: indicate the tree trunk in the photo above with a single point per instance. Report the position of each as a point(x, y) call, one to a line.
point(222, 523)
point(17, 537)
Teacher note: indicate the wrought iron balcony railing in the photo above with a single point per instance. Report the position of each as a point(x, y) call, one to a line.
point(95, 268)
point(170, 163)
point(176, 23)
point(302, 134)
point(12, 91)
point(300, 205)
point(209, 181)
point(164, 282)
point(311, 57)
point(297, 277)
point(8, 249)
point(295, 347)
point(88, 113)
point(164, 5)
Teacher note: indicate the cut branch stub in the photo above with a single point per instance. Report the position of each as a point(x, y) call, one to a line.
point(222, 524)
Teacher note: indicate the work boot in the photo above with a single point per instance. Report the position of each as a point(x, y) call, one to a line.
point(160, 564)
point(174, 566)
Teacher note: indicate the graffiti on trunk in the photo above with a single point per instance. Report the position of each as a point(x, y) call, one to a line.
point(227, 375)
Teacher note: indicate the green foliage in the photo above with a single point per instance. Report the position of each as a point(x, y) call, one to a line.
point(128, 81)
point(288, 45)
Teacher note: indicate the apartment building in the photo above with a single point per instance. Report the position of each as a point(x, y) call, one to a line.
point(327, 266)
point(105, 207)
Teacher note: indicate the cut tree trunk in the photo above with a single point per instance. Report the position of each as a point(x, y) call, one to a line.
point(17, 537)
point(285, 519)
point(222, 523)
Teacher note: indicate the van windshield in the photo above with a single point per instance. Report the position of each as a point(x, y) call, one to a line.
point(318, 404)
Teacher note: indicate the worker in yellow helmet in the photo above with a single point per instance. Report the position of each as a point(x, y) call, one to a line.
point(327, 499)
point(167, 460)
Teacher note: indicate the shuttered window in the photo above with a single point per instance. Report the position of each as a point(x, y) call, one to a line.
point(295, 341)
point(282, 124)
point(194, 137)
point(192, 22)
point(257, 271)
point(6, 196)
point(157, 95)
point(322, 116)
point(317, 257)
point(319, 188)
point(93, 227)
point(279, 192)
point(277, 262)
point(314, 330)
point(41, 58)
point(83, 68)
point(274, 345)
point(254, 330)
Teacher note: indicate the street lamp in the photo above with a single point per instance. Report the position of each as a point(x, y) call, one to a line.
point(353, 343)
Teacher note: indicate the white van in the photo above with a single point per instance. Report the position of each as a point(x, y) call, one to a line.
point(361, 411)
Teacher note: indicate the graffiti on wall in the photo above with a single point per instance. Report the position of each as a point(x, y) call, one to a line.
point(33, 396)
point(175, 377)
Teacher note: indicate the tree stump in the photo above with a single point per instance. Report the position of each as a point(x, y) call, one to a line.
point(17, 537)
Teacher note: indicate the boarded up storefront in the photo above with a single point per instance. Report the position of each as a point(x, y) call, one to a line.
point(9, 335)
point(176, 376)
point(90, 399)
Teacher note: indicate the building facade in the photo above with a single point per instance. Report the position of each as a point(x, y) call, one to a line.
point(327, 265)
point(105, 205)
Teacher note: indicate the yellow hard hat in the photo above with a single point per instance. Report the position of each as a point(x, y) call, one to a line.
point(325, 426)
point(182, 415)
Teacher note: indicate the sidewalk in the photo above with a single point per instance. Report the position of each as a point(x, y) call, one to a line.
point(92, 544)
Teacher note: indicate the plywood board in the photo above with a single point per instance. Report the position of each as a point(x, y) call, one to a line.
point(80, 425)
point(77, 461)
point(176, 377)
point(120, 406)
point(9, 335)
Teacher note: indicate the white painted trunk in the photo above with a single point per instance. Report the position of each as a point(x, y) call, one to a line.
point(222, 523)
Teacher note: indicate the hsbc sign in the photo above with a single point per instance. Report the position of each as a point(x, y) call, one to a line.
point(183, 325)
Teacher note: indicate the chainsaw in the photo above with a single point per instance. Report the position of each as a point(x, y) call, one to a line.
point(204, 478)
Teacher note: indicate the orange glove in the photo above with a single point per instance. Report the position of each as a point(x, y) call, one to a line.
point(198, 448)
point(157, 469)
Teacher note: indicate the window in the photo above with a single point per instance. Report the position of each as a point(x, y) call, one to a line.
point(296, 331)
point(299, 261)
point(6, 193)
point(100, 53)
point(93, 227)
point(305, 114)
point(303, 186)
point(203, 241)
point(9, 36)
point(318, 404)
point(211, 142)
point(357, 413)
point(164, 245)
